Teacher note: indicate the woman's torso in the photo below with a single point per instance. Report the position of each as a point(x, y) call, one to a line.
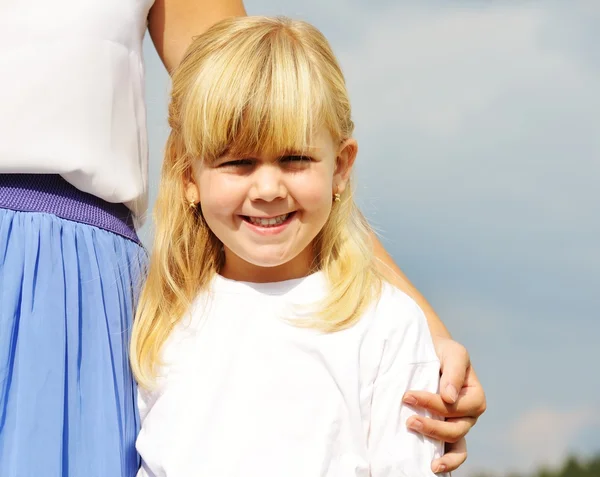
point(72, 94)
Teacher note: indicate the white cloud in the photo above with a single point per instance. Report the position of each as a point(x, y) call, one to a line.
point(431, 71)
point(441, 76)
point(543, 436)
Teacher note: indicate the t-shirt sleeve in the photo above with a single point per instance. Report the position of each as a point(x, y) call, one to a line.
point(408, 363)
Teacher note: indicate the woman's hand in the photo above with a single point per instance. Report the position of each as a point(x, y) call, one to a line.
point(461, 402)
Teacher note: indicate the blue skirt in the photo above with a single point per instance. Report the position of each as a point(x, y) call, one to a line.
point(67, 397)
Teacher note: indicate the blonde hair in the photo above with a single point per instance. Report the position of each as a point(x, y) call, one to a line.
point(248, 84)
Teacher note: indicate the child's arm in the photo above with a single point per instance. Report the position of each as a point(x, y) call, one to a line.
point(408, 362)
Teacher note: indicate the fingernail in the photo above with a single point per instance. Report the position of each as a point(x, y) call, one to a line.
point(440, 468)
point(416, 425)
point(410, 400)
point(452, 392)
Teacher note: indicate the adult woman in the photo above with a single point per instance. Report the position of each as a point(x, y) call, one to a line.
point(73, 173)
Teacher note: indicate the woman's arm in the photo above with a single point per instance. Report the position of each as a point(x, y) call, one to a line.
point(173, 23)
point(394, 275)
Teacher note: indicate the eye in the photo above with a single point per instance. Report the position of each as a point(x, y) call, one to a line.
point(297, 160)
point(237, 163)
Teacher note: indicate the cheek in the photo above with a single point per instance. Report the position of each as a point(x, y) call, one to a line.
point(218, 194)
point(314, 191)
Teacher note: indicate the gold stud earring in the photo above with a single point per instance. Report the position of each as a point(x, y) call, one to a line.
point(336, 197)
point(192, 204)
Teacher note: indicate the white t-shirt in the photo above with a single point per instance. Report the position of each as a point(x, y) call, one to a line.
point(72, 94)
point(242, 393)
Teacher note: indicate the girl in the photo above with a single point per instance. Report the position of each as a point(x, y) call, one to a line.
point(266, 343)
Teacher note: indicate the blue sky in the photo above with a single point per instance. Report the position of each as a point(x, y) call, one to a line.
point(479, 132)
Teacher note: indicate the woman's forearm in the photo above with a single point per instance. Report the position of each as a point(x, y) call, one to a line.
point(173, 23)
point(394, 275)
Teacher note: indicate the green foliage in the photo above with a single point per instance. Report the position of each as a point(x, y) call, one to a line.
point(573, 467)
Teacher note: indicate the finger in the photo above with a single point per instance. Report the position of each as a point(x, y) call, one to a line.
point(474, 388)
point(467, 405)
point(451, 430)
point(431, 402)
point(455, 456)
point(454, 364)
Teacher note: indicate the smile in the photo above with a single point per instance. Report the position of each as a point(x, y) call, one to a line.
point(268, 221)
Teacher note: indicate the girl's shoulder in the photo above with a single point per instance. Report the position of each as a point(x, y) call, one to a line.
point(395, 310)
point(400, 324)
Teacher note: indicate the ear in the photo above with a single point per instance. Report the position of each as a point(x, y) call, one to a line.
point(192, 193)
point(344, 163)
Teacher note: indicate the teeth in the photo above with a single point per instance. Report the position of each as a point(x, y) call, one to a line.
point(268, 222)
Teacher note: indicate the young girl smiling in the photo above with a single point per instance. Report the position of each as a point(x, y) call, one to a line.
point(266, 342)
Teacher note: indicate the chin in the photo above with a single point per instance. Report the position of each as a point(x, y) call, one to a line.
point(265, 262)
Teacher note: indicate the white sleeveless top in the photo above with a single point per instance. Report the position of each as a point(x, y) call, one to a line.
point(72, 94)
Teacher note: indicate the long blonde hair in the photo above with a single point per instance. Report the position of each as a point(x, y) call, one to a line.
point(248, 84)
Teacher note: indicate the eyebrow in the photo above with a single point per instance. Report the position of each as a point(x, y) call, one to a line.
point(291, 152)
point(253, 155)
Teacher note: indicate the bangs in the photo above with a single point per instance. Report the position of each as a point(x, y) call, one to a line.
point(256, 94)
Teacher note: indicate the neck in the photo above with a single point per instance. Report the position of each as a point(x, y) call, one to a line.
point(236, 268)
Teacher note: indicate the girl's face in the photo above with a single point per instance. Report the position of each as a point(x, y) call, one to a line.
point(267, 210)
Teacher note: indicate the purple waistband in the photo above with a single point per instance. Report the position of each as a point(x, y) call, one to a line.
point(51, 194)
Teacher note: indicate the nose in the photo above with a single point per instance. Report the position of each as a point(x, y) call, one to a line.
point(267, 183)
